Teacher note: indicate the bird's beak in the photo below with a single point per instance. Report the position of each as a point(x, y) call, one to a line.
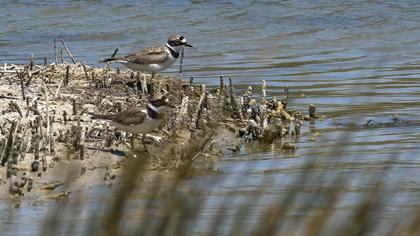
point(188, 45)
point(171, 105)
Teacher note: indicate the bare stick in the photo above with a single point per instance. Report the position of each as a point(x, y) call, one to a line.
point(28, 82)
point(8, 97)
point(45, 61)
point(30, 184)
point(68, 51)
point(78, 135)
point(115, 53)
point(9, 143)
point(137, 83)
point(4, 68)
point(15, 107)
point(81, 141)
point(24, 144)
point(181, 61)
point(35, 72)
point(34, 110)
point(74, 107)
point(312, 111)
point(144, 85)
point(48, 119)
point(93, 77)
point(35, 149)
point(31, 62)
point(66, 81)
point(58, 89)
point(235, 106)
point(298, 126)
point(45, 81)
point(20, 76)
point(264, 93)
point(199, 111)
point(63, 80)
point(65, 117)
point(61, 55)
point(183, 111)
point(86, 74)
point(55, 52)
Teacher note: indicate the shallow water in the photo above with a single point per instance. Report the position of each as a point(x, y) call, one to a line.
point(355, 60)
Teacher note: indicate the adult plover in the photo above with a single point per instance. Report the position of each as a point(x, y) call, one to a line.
point(138, 120)
point(154, 59)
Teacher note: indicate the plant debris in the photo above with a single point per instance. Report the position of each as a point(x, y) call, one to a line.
point(46, 127)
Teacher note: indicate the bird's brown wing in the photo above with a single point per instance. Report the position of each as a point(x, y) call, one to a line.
point(152, 55)
point(102, 117)
point(131, 116)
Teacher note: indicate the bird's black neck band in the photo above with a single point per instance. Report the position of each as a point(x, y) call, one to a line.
point(173, 52)
point(152, 113)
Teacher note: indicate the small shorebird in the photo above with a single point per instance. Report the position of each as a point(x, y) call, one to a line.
point(154, 59)
point(137, 120)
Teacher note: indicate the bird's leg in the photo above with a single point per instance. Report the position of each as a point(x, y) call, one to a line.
point(142, 141)
point(144, 84)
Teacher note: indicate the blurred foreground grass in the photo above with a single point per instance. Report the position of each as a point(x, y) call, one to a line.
point(173, 206)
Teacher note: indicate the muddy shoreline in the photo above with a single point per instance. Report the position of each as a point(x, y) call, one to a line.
point(48, 139)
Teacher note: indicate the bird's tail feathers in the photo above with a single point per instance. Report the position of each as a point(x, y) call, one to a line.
point(112, 59)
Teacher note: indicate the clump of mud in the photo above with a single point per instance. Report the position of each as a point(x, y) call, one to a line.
point(47, 136)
